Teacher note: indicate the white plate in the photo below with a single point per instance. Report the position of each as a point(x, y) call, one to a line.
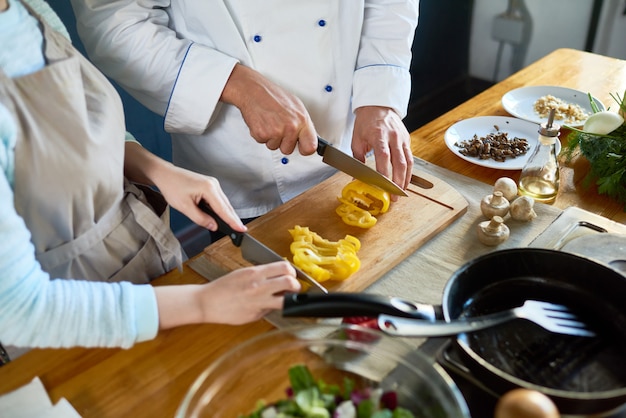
point(520, 102)
point(483, 125)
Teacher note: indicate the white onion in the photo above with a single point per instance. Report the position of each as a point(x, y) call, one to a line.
point(602, 123)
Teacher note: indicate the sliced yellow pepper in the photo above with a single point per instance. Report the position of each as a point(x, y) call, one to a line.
point(323, 259)
point(360, 202)
point(370, 198)
point(354, 215)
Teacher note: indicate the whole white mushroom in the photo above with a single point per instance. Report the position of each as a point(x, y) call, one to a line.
point(494, 204)
point(522, 209)
point(507, 186)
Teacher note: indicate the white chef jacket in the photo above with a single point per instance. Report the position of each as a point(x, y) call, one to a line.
point(175, 57)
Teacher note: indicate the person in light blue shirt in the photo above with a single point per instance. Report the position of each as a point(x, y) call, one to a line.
point(39, 309)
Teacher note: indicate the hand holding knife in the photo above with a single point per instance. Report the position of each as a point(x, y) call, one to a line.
point(257, 253)
point(355, 168)
point(254, 251)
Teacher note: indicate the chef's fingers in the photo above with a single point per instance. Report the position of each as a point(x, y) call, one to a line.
point(274, 143)
point(409, 159)
point(382, 157)
point(396, 161)
point(401, 161)
point(300, 133)
point(392, 151)
point(307, 139)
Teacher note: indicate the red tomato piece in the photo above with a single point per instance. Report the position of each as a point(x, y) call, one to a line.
point(363, 321)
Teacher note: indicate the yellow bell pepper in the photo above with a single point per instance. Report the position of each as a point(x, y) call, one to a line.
point(370, 198)
point(353, 215)
point(360, 202)
point(323, 259)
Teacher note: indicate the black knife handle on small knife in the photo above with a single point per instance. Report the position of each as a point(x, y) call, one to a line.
point(345, 304)
point(222, 226)
point(237, 239)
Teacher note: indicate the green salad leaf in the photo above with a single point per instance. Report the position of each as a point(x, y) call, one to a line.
point(310, 398)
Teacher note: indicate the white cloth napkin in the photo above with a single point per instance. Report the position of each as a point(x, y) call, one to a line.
point(32, 401)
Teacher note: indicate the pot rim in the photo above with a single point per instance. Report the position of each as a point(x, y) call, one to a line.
point(610, 399)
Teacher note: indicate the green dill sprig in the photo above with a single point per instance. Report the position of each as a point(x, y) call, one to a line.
point(605, 153)
point(621, 101)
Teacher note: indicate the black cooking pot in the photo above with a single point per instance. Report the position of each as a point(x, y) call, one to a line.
point(582, 375)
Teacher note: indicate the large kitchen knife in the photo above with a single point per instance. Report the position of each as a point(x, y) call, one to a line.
point(355, 168)
point(255, 251)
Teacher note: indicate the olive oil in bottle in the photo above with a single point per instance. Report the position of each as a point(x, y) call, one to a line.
point(540, 175)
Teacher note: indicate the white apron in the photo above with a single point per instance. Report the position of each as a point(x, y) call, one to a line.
point(86, 220)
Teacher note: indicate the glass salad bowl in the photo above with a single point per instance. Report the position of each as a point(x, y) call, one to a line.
point(359, 363)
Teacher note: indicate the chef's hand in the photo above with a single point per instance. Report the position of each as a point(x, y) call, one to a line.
point(241, 296)
point(381, 129)
point(274, 116)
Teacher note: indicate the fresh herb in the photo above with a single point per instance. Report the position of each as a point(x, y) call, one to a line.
point(309, 398)
point(605, 153)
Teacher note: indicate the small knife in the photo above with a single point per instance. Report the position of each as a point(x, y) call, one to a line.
point(355, 168)
point(254, 251)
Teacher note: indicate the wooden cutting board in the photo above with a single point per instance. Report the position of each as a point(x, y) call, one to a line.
point(408, 224)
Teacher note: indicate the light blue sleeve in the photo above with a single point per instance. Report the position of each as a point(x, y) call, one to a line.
point(49, 15)
point(130, 138)
point(8, 137)
point(36, 311)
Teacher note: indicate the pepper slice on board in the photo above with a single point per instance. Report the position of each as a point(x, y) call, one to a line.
point(323, 259)
point(370, 198)
point(360, 202)
point(354, 215)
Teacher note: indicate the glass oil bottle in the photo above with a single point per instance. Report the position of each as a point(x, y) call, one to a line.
point(540, 175)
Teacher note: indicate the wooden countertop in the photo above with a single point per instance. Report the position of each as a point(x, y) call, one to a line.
point(151, 378)
point(587, 72)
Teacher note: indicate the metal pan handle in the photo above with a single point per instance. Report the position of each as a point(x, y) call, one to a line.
point(338, 304)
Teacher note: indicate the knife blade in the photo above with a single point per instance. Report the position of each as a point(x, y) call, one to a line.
point(355, 168)
point(255, 251)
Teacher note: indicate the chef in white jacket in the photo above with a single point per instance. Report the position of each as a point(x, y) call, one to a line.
point(246, 85)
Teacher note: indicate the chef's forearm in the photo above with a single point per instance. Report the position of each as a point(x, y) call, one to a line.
point(241, 86)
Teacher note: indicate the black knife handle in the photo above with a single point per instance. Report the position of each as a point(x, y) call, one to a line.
point(222, 226)
point(345, 304)
point(321, 145)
